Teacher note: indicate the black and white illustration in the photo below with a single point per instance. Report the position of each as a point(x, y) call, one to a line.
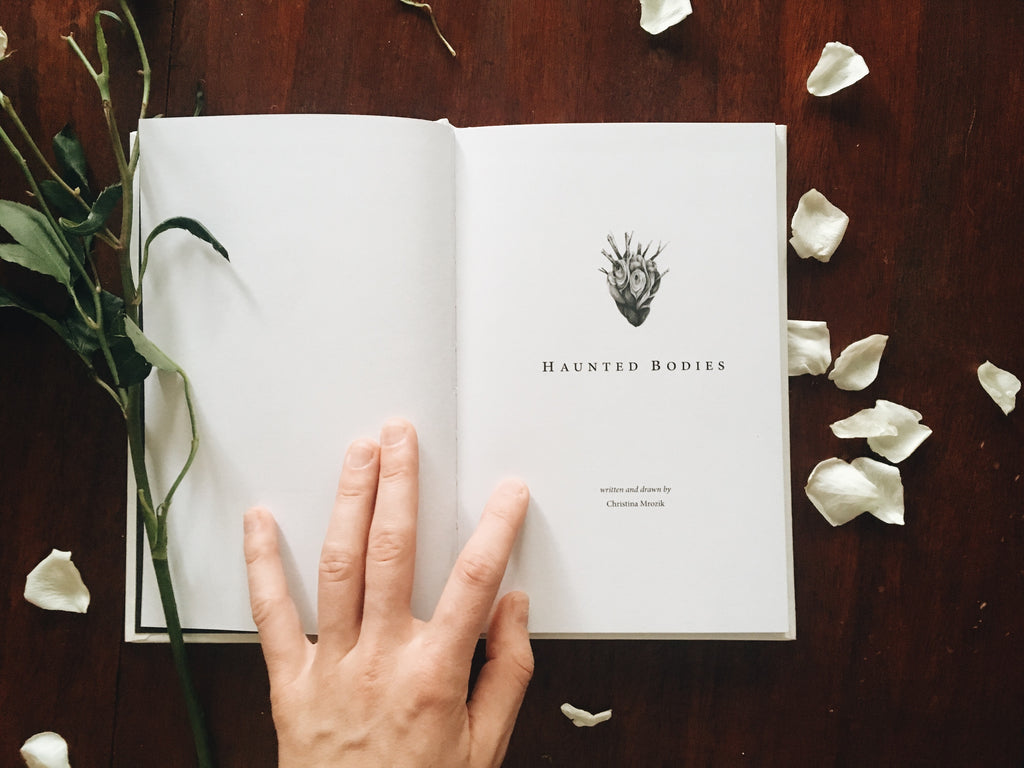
point(634, 277)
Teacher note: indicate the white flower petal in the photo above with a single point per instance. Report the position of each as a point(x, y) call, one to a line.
point(1002, 386)
point(838, 67)
point(45, 750)
point(3, 43)
point(910, 433)
point(581, 718)
point(869, 422)
point(809, 347)
point(886, 478)
point(893, 431)
point(857, 365)
point(818, 227)
point(658, 15)
point(56, 585)
point(841, 491)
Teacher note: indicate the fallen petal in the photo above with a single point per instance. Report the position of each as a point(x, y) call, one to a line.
point(581, 718)
point(818, 227)
point(886, 478)
point(45, 750)
point(910, 433)
point(841, 491)
point(869, 422)
point(838, 67)
point(857, 365)
point(56, 585)
point(1002, 386)
point(658, 15)
point(809, 347)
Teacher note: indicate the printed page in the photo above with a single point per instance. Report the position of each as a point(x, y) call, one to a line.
point(621, 312)
point(335, 312)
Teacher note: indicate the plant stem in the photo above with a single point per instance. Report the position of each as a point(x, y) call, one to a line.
point(195, 713)
point(156, 533)
point(122, 250)
point(145, 71)
point(165, 505)
point(78, 52)
point(430, 12)
point(154, 518)
point(128, 191)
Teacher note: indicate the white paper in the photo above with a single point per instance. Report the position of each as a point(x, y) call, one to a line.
point(340, 236)
point(713, 558)
point(338, 310)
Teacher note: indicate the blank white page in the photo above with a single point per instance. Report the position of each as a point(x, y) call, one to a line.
point(335, 313)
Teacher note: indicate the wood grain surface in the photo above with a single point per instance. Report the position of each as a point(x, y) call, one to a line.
point(910, 648)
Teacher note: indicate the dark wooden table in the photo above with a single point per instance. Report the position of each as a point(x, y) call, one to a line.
point(910, 646)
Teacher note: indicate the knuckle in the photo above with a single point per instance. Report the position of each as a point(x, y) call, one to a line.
point(256, 551)
point(339, 563)
point(477, 570)
point(428, 686)
point(427, 693)
point(387, 545)
point(521, 665)
point(397, 470)
point(264, 608)
point(375, 673)
point(353, 492)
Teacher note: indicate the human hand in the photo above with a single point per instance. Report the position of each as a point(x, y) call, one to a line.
point(379, 687)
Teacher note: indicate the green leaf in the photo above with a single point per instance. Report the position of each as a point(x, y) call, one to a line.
point(62, 328)
point(79, 336)
point(148, 349)
point(60, 200)
point(98, 215)
point(8, 299)
point(132, 368)
point(67, 206)
point(47, 263)
point(71, 161)
point(31, 229)
point(112, 15)
point(187, 224)
point(114, 315)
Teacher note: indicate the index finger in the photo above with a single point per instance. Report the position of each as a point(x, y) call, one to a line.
point(284, 644)
point(469, 593)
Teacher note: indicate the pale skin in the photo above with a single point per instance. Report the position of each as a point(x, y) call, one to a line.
point(380, 687)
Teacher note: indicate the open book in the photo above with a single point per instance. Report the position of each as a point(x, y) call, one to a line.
point(598, 309)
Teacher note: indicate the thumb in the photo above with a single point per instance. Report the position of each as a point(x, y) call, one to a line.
point(502, 682)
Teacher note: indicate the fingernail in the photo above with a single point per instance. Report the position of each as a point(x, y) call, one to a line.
point(393, 432)
point(513, 486)
point(360, 454)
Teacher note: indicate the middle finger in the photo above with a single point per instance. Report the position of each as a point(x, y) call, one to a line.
point(391, 549)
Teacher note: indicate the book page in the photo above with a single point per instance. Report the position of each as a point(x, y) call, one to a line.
point(651, 427)
point(335, 313)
